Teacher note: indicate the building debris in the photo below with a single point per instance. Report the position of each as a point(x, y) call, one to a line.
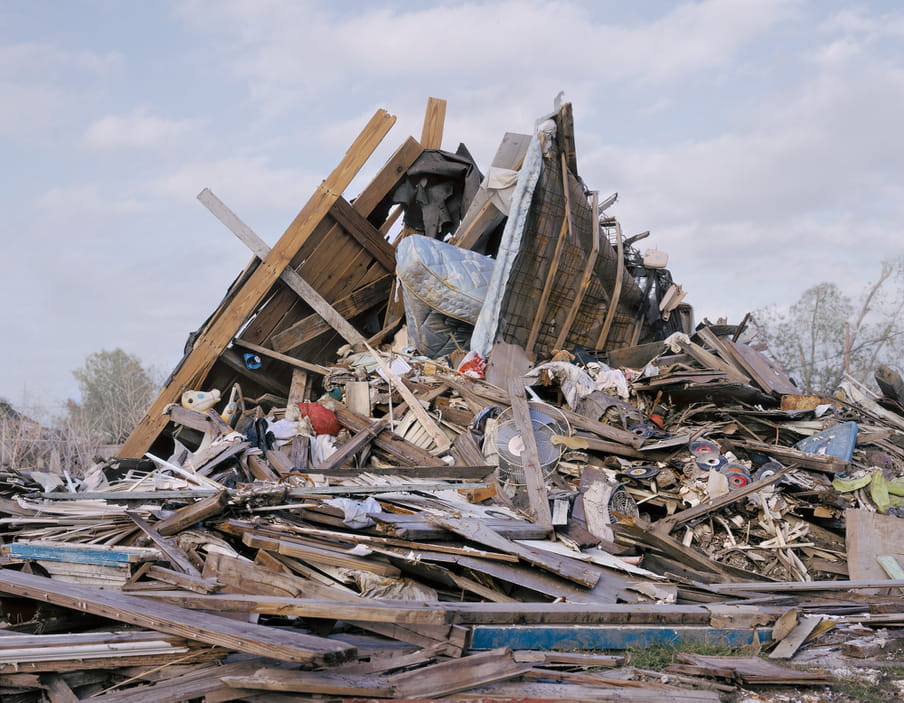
point(473, 456)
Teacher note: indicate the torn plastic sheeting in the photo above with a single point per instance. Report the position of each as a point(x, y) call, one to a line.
point(357, 513)
point(574, 381)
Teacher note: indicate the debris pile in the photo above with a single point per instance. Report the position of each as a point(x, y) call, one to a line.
point(480, 458)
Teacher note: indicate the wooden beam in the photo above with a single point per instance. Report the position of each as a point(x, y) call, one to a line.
point(530, 458)
point(390, 443)
point(213, 340)
point(312, 326)
point(202, 627)
point(434, 121)
point(285, 358)
point(189, 515)
point(554, 263)
point(367, 235)
point(174, 554)
point(586, 275)
point(572, 569)
point(289, 276)
point(616, 291)
point(352, 446)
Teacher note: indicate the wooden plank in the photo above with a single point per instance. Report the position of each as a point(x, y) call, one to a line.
point(530, 458)
point(293, 548)
point(203, 627)
point(67, 663)
point(178, 686)
point(813, 462)
point(367, 235)
point(870, 535)
point(616, 290)
point(771, 378)
point(189, 515)
point(651, 536)
point(566, 137)
point(584, 283)
point(202, 422)
point(299, 388)
point(289, 276)
point(312, 683)
point(595, 637)
point(722, 348)
point(215, 338)
point(173, 553)
point(505, 361)
point(804, 586)
point(312, 326)
point(450, 677)
point(352, 446)
point(291, 360)
point(174, 578)
point(711, 361)
point(260, 469)
point(553, 263)
point(434, 121)
point(567, 568)
point(57, 689)
point(362, 610)
point(794, 639)
point(395, 446)
point(101, 555)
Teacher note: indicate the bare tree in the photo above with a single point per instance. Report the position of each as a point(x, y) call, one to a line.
point(826, 334)
point(115, 391)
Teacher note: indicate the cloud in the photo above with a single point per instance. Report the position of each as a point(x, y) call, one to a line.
point(288, 53)
point(85, 201)
point(38, 84)
point(47, 60)
point(245, 183)
point(138, 129)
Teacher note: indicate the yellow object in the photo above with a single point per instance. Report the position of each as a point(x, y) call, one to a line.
point(202, 401)
point(232, 406)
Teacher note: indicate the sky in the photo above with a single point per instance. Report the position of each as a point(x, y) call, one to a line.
point(758, 140)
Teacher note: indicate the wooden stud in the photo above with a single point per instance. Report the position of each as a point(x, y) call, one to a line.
point(213, 340)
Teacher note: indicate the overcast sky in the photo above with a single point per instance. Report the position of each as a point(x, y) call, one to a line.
point(759, 140)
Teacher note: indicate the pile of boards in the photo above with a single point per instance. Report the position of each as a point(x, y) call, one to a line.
point(307, 513)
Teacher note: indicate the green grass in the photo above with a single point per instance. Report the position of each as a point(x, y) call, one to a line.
point(658, 656)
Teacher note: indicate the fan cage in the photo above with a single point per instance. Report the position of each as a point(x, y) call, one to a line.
point(546, 422)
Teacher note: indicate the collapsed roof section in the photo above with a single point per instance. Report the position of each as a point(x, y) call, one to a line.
point(556, 272)
point(530, 260)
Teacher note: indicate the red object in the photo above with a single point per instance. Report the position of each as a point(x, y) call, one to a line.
point(323, 420)
point(472, 366)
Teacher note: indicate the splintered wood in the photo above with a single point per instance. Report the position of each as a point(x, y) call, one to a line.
point(356, 518)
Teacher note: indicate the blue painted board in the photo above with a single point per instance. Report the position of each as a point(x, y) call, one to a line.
point(73, 554)
point(837, 441)
point(578, 637)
